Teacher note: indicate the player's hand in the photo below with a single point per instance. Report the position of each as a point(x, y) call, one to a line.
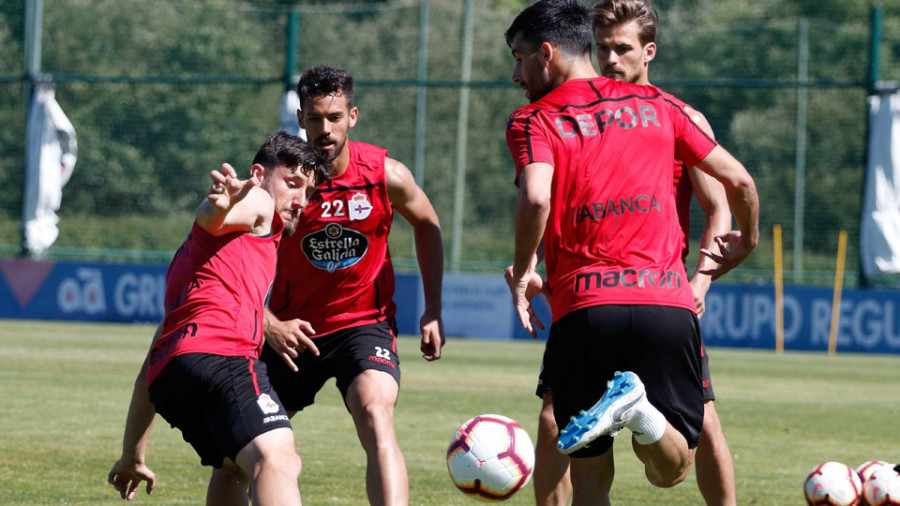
point(432, 336)
point(226, 189)
point(126, 476)
point(699, 286)
point(523, 290)
point(731, 252)
point(290, 338)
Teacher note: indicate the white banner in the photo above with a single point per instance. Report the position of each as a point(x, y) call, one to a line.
point(50, 153)
point(287, 116)
point(880, 228)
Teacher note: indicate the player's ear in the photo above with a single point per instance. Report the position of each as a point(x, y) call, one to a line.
point(546, 49)
point(649, 52)
point(259, 172)
point(300, 118)
point(354, 113)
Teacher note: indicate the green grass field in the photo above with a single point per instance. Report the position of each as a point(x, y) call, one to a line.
point(64, 389)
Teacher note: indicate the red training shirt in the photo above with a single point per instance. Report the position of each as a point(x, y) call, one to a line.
point(335, 271)
point(216, 289)
point(612, 235)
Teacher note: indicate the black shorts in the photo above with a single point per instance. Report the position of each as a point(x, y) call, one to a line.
point(543, 384)
point(660, 344)
point(220, 404)
point(705, 378)
point(342, 355)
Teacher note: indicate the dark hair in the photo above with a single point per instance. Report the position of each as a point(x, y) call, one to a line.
point(282, 149)
point(565, 23)
point(323, 81)
point(619, 12)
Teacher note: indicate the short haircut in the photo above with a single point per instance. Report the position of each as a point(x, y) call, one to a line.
point(608, 13)
point(282, 149)
point(322, 81)
point(565, 23)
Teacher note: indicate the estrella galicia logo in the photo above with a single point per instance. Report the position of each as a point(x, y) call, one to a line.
point(334, 247)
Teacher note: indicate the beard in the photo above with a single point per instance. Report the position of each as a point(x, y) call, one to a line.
point(330, 157)
point(290, 226)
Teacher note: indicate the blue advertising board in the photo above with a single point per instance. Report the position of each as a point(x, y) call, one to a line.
point(474, 305)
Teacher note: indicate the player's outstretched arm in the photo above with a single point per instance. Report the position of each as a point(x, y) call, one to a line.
point(733, 247)
point(235, 205)
point(289, 338)
point(130, 470)
point(412, 203)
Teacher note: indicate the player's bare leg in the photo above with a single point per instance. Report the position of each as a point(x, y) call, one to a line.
point(229, 485)
point(667, 461)
point(273, 466)
point(715, 469)
point(659, 446)
point(592, 479)
point(551, 480)
point(371, 398)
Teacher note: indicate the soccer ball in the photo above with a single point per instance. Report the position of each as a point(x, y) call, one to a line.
point(883, 487)
point(867, 469)
point(834, 484)
point(490, 457)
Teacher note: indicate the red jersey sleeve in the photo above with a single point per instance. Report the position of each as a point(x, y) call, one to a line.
point(527, 140)
point(691, 142)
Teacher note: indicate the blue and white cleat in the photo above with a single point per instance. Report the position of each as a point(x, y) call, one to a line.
point(612, 412)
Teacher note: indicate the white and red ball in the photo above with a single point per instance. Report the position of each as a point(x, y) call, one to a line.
point(869, 468)
point(832, 484)
point(490, 457)
point(883, 487)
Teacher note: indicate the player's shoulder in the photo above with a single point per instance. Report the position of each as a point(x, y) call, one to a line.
point(525, 111)
point(610, 89)
point(366, 158)
point(695, 116)
point(521, 117)
point(364, 150)
point(684, 106)
point(673, 99)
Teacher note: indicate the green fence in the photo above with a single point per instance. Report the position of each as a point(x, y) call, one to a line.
point(162, 92)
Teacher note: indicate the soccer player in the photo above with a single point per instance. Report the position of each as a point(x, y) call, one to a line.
point(202, 372)
point(625, 37)
point(347, 326)
point(594, 160)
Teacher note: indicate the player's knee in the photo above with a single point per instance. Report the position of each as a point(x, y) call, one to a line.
point(274, 451)
point(547, 427)
point(229, 475)
point(282, 461)
point(376, 416)
point(711, 424)
point(294, 464)
point(668, 477)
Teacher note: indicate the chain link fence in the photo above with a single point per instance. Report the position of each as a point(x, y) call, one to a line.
point(162, 92)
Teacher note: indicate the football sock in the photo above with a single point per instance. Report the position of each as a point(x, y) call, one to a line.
point(647, 424)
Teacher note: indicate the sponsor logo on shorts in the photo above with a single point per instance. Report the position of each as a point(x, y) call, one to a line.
point(276, 418)
point(267, 405)
point(380, 360)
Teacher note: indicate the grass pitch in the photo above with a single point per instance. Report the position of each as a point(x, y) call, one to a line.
point(64, 391)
